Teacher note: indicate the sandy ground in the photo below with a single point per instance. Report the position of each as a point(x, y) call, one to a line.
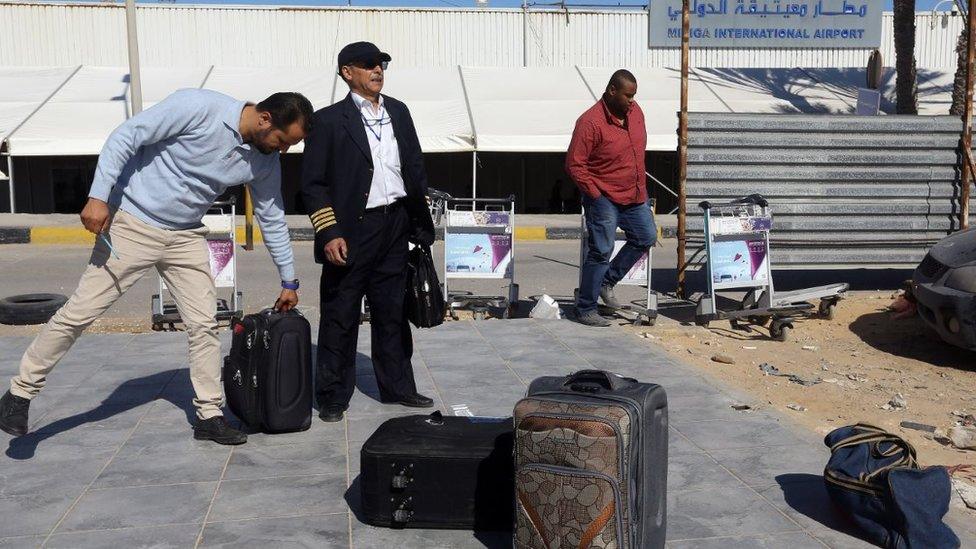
point(864, 359)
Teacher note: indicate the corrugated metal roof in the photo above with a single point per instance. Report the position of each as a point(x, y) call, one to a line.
point(198, 35)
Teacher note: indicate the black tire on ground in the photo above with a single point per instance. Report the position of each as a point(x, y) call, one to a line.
point(30, 308)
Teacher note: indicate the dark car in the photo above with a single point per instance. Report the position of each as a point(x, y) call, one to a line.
point(944, 285)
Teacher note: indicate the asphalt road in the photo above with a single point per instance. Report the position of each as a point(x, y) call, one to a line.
point(549, 267)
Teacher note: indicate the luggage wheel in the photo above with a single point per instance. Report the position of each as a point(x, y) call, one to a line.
point(827, 308)
point(780, 330)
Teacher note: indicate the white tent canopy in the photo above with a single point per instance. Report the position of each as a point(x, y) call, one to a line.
point(525, 110)
point(63, 111)
point(80, 116)
point(435, 98)
point(23, 89)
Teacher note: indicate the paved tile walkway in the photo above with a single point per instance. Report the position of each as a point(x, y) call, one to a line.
point(110, 462)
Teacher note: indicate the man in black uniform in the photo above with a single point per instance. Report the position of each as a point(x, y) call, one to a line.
point(364, 181)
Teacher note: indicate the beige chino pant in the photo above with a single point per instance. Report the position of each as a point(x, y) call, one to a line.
point(182, 259)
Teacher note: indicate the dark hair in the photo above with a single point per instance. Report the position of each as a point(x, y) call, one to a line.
point(286, 108)
point(620, 77)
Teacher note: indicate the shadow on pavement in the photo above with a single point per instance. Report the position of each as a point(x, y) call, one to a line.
point(806, 494)
point(116, 403)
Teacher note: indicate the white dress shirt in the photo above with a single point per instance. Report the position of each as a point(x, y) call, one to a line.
point(387, 184)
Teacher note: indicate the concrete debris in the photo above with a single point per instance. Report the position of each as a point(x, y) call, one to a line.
point(771, 370)
point(897, 402)
point(857, 377)
point(796, 407)
point(724, 359)
point(966, 491)
point(963, 437)
point(918, 426)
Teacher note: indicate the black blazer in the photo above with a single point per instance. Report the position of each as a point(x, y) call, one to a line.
point(337, 172)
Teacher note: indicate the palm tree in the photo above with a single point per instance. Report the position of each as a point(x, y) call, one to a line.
point(906, 85)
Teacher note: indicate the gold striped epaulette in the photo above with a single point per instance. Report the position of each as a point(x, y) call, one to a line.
point(323, 219)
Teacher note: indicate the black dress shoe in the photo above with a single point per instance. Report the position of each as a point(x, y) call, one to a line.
point(218, 430)
point(416, 400)
point(331, 414)
point(13, 414)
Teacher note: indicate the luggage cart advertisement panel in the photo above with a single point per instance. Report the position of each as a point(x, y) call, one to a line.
point(739, 262)
point(479, 255)
point(465, 218)
point(637, 275)
point(222, 262)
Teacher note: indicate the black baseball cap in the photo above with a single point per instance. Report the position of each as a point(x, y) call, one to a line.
point(361, 51)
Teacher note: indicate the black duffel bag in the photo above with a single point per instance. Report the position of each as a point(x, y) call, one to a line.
point(424, 299)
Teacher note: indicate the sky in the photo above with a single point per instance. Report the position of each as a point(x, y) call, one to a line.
point(920, 5)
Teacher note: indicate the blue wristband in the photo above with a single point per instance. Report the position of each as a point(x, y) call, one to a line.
point(290, 285)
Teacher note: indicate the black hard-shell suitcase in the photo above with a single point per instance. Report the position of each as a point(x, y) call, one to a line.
point(268, 373)
point(591, 461)
point(439, 472)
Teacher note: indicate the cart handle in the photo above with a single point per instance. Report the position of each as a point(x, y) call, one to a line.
point(756, 199)
point(511, 198)
point(435, 194)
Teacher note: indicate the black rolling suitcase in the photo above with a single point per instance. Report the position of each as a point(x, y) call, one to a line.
point(439, 472)
point(268, 373)
point(591, 461)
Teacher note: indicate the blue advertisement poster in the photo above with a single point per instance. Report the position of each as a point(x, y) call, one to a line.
point(478, 255)
point(739, 262)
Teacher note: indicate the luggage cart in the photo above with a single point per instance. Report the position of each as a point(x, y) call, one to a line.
point(222, 242)
point(737, 258)
point(437, 202)
point(639, 275)
point(479, 243)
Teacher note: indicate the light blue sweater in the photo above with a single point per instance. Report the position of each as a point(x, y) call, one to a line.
point(169, 163)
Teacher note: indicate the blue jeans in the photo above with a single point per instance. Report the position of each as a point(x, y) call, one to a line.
point(602, 219)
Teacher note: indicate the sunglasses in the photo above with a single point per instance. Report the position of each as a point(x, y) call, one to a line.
point(371, 64)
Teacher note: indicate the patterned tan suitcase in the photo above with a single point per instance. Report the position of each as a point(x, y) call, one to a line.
point(591, 463)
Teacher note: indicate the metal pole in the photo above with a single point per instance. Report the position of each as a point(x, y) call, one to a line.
point(967, 119)
point(474, 174)
point(525, 33)
point(683, 144)
point(10, 181)
point(135, 81)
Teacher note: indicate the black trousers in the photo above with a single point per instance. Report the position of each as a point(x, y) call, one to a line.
point(378, 271)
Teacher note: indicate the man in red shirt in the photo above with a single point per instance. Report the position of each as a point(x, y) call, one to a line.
point(606, 160)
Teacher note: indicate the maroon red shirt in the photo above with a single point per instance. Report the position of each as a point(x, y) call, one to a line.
point(607, 158)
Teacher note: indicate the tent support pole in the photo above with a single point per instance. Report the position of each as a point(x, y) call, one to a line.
point(135, 78)
point(474, 174)
point(10, 181)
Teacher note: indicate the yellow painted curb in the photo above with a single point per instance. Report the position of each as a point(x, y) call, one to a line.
point(60, 235)
point(530, 233)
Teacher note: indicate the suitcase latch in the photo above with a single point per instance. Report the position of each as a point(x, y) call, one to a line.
point(403, 478)
point(403, 513)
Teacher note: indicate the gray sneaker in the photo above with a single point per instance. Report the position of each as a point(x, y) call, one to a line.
point(606, 294)
point(592, 318)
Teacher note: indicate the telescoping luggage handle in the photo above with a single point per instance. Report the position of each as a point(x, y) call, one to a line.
point(589, 381)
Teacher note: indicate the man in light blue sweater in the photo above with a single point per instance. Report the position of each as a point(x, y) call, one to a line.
point(158, 174)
